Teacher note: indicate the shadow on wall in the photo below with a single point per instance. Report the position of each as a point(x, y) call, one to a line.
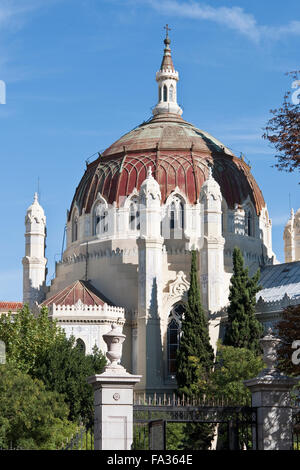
point(154, 352)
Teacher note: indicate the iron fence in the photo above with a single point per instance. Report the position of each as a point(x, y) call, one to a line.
point(233, 427)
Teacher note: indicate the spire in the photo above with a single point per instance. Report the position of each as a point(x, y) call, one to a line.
point(167, 79)
point(167, 62)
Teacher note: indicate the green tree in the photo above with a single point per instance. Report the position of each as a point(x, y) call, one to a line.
point(226, 383)
point(30, 416)
point(232, 367)
point(27, 337)
point(64, 368)
point(195, 338)
point(288, 332)
point(194, 343)
point(38, 346)
point(243, 330)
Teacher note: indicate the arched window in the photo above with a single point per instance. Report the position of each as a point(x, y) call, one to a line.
point(249, 223)
point(165, 93)
point(173, 336)
point(100, 224)
point(172, 216)
point(160, 93)
point(176, 214)
point(80, 344)
point(134, 216)
point(171, 93)
point(181, 215)
point(74, 228)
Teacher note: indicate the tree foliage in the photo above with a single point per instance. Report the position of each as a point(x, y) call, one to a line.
point(243, 330)
point(283, 132)
point(64, 368)
point(232, 367)
point(38, 346)
point(195, 337)
point(27, 337)
point(194, 342)
point(288, 332)
point(30, 416)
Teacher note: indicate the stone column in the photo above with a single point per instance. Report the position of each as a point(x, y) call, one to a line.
point(150, 284)
point(113, 399)
point(271, 396)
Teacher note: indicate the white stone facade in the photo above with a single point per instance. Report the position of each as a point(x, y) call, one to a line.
point(143, 266)
point(292, 238)
point(137, 250)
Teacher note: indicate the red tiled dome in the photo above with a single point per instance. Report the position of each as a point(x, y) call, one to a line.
point(179, 155)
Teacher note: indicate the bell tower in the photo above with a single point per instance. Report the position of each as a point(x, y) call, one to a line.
point(34, 261)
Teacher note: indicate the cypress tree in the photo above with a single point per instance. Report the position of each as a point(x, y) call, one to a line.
point(194, 344)
point(195, 338)
point(243, 330)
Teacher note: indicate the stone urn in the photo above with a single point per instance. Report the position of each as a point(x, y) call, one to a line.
point(269, 344)
point(114, 340)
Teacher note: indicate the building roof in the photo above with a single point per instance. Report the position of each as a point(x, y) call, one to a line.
point(280, 280)
point(6, 306)
point(179, 155)
point(178, 152)
point(82, 291)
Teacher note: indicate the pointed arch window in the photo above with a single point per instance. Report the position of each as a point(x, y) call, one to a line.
point(171, 93)
point(249, 229)
point(172, 216)
point(173, 336)
point(177, 216)
point(75, 228)
point(160, 93)
point(100, 222)
point(134, 215)
point(165, 93)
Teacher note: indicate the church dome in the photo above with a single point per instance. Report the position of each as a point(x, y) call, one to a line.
point(180, 156)
point(178, 153)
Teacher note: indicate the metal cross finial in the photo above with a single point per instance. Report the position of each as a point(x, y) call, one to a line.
point(167, 30)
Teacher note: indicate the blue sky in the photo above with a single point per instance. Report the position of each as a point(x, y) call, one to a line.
point(80, 73)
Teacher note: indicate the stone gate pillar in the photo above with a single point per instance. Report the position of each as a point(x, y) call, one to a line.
point(271, 396)
point(113, 399)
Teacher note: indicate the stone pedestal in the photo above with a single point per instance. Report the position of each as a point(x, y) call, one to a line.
point(271, 396)
point(113, 408)
point(113, 399)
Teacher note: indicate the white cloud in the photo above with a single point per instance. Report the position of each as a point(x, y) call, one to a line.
point(234, 18)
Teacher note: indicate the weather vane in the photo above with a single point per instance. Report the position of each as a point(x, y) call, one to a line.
point(167, 30)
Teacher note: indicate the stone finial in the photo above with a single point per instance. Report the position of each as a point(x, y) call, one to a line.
point(114, 340)
point(269, 344)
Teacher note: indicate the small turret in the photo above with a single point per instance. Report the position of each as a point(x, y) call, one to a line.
point(288, 237)
point(167, 79)
point(34, 261)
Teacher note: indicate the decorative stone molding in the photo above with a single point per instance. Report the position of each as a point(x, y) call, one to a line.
point(180, 286)
point(263, 306)
point(80, 313)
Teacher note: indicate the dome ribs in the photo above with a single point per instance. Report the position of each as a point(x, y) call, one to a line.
point(178, 154)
